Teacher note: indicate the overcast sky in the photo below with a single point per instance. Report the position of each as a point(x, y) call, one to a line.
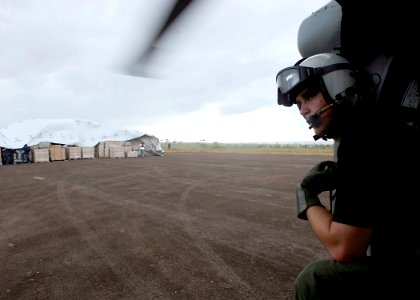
point(214, 79)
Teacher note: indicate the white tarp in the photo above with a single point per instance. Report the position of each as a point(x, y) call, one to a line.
point(62, 131)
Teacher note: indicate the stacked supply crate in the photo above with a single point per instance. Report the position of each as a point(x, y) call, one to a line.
point(131, 153)
point(88, 152)
point(116, 152)
point(128, 150)
point(57, 152)
point(41, 155)
point(102, 149)
point(73, 153)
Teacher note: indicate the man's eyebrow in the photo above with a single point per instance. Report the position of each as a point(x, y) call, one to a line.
point(310, 92)
point(305, 94)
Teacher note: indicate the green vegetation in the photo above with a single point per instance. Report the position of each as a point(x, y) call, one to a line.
point(294, 148)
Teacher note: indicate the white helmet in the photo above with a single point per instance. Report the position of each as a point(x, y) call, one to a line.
point(333, 72)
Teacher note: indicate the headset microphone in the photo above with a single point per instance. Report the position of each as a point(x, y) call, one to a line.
point(315, 119)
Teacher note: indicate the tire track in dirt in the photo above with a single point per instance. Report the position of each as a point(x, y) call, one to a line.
point(12, 218)
point(218, 263)
point(215, 260)
point(121, 268)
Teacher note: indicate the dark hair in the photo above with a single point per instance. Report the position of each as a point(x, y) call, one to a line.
point(311, 87)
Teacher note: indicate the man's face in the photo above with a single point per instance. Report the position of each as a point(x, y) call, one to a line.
point(311, 101)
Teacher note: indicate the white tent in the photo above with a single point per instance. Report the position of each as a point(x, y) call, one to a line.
point(151, 144)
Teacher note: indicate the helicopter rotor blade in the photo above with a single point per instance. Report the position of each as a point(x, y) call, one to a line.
point(137, 68)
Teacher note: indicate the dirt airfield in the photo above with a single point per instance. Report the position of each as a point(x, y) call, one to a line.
point(181, 226)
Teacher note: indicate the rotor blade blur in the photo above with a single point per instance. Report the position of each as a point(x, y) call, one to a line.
point(138, 67)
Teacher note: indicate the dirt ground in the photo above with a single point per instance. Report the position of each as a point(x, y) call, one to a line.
point(181, 226)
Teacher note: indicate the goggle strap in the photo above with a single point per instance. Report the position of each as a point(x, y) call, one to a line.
point(330, 68)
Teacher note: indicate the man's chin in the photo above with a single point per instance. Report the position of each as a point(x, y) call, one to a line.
point(318, 131)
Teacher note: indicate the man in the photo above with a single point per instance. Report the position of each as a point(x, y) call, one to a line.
point(142, 149)
point(371, 232)
point(26, 153)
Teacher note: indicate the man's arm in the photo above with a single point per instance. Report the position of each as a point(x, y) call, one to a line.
point(343, 242)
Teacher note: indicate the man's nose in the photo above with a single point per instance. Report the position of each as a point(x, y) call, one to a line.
point(303, 109)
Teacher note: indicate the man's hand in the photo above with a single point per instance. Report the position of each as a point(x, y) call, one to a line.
point(322, 177)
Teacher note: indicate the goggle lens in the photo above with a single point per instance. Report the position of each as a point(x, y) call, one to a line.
point(287, 79)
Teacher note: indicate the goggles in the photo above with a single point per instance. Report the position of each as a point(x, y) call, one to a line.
point(292, 77)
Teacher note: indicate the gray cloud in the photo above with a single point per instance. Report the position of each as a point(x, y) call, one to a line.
point(62, 59)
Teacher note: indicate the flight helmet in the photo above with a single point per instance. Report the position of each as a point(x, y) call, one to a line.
point(332, 72)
